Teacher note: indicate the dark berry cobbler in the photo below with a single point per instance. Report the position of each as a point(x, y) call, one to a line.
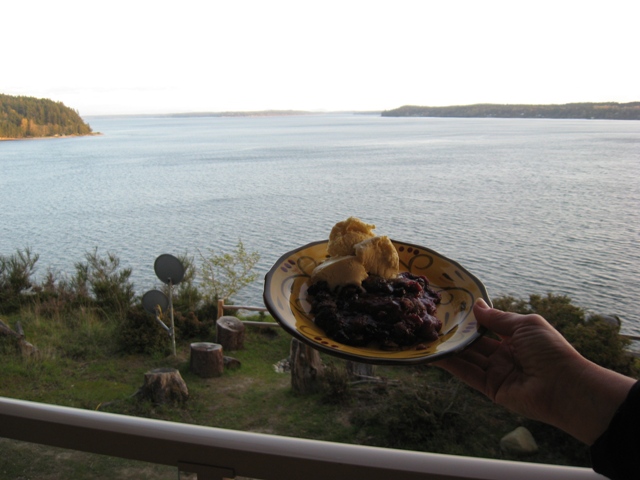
point(388, 313)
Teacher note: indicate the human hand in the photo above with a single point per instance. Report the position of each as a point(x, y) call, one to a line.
point(533, 371)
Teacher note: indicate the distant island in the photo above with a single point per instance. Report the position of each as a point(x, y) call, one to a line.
point(607, 111)
point(30, 117)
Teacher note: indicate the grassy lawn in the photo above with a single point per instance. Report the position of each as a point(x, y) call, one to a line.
point(418, 408)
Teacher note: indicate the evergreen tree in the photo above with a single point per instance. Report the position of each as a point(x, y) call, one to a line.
point(24, 117)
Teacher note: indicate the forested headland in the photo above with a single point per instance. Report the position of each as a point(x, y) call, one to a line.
point(607, 111)
point(30, 117)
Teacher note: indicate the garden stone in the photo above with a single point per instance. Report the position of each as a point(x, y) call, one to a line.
point(519, 442)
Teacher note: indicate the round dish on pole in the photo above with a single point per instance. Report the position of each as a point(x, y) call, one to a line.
point(153, 299)
point(169, 269)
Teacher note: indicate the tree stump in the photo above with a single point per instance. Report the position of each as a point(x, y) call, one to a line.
point(164, 385)
point(356, 370)
point(230, 333)
point(207, 359)
point(306, 368)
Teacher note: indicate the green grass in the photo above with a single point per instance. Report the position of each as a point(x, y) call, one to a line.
point(418, 408)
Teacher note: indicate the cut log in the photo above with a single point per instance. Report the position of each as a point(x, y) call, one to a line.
point(17, 337)
point(207, 359)
point(232, 363)
point(27, 349)
point(356, 370)
point(6, 330)
point(306, 368)
point(164, 386)
point(230, 333)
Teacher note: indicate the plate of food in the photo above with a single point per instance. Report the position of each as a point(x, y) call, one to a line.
point(372, 299)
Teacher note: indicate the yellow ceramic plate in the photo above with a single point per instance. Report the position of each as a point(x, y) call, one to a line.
point(285, 295)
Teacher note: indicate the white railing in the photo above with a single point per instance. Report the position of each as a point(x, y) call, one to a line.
point(214, 453)
point(222, 307)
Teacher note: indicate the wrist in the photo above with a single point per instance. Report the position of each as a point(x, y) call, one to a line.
point(590, 399)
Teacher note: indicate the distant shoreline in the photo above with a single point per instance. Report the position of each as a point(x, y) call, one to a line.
point(567, 111)
point(587, 111)
point(265, 113)
point(11, 139)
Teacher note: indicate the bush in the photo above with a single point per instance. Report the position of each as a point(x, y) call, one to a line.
point(56, 297)
point(600, 342)
point(15, 278)
point(557, 309)
point(225, 275)
point(108, 283)
point(335, 385)
point(189, 327)
point(415, 415)
point(140, 333)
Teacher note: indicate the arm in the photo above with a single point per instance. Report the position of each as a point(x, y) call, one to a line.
point(535, 372)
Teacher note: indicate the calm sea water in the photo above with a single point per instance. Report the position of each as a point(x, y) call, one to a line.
point(529, 206)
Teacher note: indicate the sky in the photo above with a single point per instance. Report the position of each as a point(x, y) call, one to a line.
point(145, 57)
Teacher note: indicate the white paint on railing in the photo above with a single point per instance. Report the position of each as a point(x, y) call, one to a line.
point(218, 452)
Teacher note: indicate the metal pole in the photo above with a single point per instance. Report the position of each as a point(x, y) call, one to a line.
point(173, 327)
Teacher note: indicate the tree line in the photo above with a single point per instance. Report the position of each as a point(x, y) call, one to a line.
point(607, 111)
point(28, 117)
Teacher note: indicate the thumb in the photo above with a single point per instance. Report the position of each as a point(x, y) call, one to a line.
point(499, 322)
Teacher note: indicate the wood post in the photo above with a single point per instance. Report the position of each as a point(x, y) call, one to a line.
point(306, 368)
point(230, 333)
point(164, 385)
point(207, 359)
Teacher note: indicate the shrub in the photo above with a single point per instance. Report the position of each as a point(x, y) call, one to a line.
point(335, 385)
point(15, 278)
point(557, 309)
point(600, 342)
point(208, 311)
point(108, 283)
point(188, 326)
point(55, 297)
point(140, 333)
point(413, 415)
point(225, 275)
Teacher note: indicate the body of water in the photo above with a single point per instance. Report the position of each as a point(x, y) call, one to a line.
point(528, 205)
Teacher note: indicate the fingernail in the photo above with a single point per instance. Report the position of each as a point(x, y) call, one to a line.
point(481, 303)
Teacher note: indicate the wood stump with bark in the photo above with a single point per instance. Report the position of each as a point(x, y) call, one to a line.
point(230, 333)
point(306, 368)
point(164, 386)
point(207, 359)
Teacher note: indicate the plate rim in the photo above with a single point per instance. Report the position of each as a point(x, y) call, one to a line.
point(481, 331)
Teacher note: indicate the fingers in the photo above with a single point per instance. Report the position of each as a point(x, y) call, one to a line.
point(499, 322)
point(471, 364)
point(484, 346)
point(470, 373)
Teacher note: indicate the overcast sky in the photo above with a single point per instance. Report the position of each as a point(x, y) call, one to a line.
point(195, 56)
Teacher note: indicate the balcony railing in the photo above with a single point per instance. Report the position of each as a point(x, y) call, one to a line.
point(215, 454)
